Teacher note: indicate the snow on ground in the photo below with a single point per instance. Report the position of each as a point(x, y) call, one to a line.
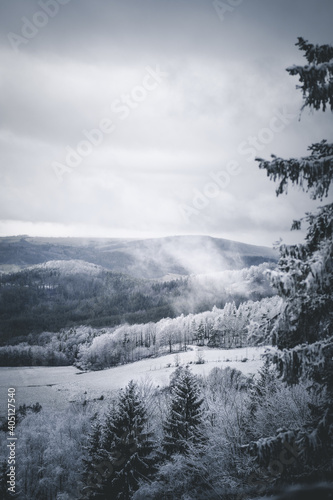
point(57, 386)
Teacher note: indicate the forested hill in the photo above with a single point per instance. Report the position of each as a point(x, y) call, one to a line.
point(150, 258)
point(59, 294)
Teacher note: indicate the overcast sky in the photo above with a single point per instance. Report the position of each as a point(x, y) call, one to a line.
point(141, 118)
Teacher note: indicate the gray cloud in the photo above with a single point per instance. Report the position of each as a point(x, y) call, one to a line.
point(226, 81)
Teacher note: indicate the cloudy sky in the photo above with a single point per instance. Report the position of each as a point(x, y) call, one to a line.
point(128, 118)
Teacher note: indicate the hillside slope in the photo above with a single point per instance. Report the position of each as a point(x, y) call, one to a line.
point(150, 258)
point(59, 294)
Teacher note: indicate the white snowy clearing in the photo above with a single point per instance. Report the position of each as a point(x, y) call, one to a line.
point(60, 385)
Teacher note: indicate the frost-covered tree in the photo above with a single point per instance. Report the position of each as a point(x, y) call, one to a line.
point(200, 334)
point(92, 473)
point(304, 279)
point(214, 339)
point(263, 386)
point(126, 445)
point(50, 453)
point(316, 77)
point(182, 425)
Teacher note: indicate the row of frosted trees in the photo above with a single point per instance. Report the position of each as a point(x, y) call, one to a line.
point(250, 323)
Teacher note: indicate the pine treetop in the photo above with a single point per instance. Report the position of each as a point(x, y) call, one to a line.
point(317, 76)
point(185, 414)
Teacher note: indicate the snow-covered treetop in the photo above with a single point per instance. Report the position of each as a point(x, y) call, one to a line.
point(317, 76)
point(315, 54)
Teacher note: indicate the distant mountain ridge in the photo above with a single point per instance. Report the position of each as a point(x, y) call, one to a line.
point(150, 258)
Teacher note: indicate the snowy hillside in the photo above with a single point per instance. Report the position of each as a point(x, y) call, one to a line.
point(68, 267)
point(56, 386)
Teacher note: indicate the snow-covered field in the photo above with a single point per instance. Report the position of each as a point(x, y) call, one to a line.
point(57, 386)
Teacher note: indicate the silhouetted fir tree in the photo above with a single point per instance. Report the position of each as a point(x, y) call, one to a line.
point(182, 426)
point(126, 446)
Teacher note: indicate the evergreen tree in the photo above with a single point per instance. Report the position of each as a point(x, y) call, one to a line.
point(182, 426)
point(305, 273)
point(200, 334)
point(262, 387)
point(126, 446)
point(93, 463)
point(316, 76)
point(214, 339)
point(208, 329)
point(304, 279)
point(193, 329)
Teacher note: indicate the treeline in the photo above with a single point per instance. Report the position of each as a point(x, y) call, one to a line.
point(49, 299)
point(250, 323)
point(48, 349)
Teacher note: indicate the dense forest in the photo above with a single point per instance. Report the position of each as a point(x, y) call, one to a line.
point(56, 295)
